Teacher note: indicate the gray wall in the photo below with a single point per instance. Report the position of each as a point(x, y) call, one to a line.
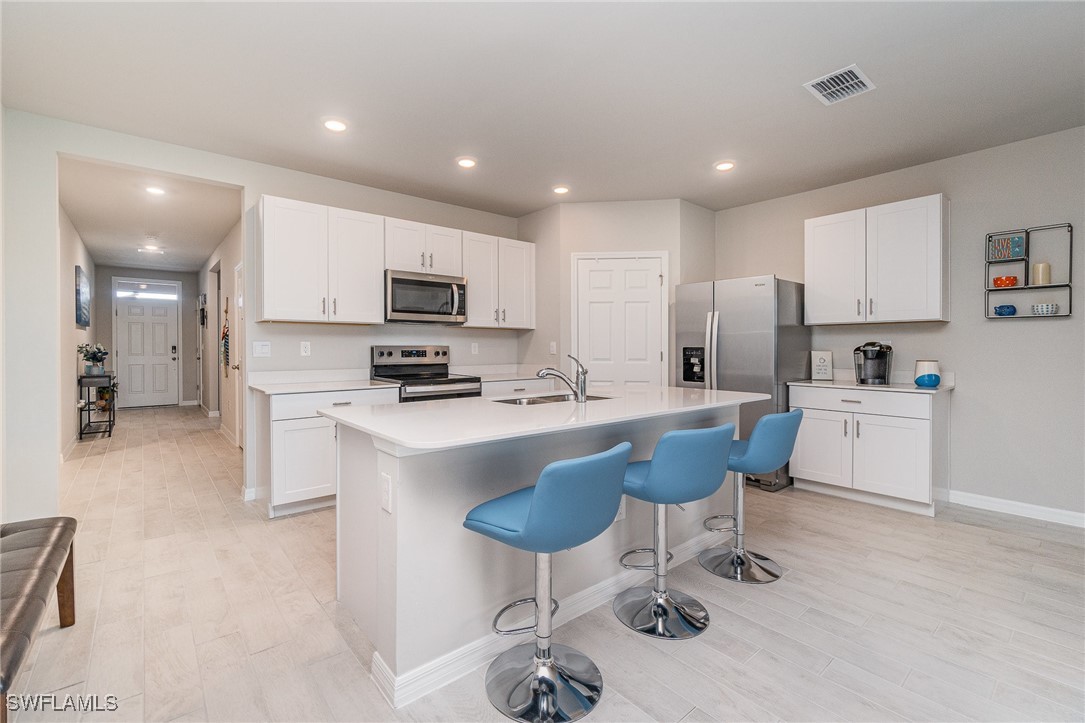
point(71, 253)
point(103, 303)
point(1018, 430)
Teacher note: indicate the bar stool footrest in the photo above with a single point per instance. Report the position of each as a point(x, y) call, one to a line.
point(730, 528)
point(516, 604)
point(641, 551)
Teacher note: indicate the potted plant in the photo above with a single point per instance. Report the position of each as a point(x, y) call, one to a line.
point(94, 355)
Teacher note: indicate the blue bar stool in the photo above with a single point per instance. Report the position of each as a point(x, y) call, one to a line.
point(686, 465)
point(770, 446)
point(574, 501)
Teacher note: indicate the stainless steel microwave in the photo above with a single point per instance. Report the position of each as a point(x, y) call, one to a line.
point(424, 298)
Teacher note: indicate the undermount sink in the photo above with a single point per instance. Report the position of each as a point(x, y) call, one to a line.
point(545, 399)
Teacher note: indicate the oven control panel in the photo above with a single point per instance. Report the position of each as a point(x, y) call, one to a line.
point(409, 354)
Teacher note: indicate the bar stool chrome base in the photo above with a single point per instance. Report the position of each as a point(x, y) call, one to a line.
point(739, 565)
point(564, 687)
point(672, 615)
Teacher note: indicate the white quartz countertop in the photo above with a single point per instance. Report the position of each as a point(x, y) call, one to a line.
point(450, 423)
point(319, 386)
point(839, 384)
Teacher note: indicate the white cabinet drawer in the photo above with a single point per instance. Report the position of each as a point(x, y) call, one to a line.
point(894, 404)
point(299, 406)
point(517, 386)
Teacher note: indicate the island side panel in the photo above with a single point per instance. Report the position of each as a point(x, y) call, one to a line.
point(365, 583)
point(452, 581)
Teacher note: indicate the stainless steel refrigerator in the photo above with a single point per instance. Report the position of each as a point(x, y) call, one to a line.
point(743, 335)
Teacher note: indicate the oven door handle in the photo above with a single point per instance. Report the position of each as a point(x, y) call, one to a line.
point(415, 390)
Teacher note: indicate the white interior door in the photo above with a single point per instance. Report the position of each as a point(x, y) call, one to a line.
point(620, 320)
point(147, 342)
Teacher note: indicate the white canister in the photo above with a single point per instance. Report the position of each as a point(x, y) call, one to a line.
point(1041, 273)
point(927, 373)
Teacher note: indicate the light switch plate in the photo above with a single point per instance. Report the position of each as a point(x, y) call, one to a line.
point(821, 365)
point(553, 347)
point(261, 348)
point(386, 492)
point(474, 347)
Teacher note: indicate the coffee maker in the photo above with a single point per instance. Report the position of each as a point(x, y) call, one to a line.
point(872, 363)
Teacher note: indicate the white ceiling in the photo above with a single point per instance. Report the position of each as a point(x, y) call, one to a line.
point(619, 101)
point(114, 215)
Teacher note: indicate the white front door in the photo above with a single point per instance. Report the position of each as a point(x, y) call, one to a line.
point(147, 344)
point(620, 320)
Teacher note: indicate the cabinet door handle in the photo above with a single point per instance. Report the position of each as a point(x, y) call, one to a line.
point(857, 429)
point(851, 401)
point(871, 312)
point(324, 305)
point(342, 404)
point(423, 260)
point(431, 261)
point(858, 307)
point(502, 315)
point(519, 389)
point(335, 307)
point(845, 428)
point(495, 314)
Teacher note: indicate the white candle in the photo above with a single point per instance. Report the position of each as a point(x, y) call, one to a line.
point(1041, 273)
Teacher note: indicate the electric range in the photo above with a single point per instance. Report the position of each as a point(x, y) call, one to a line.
point(421, 373)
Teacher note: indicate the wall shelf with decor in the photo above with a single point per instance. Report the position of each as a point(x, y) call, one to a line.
point(1027, 272)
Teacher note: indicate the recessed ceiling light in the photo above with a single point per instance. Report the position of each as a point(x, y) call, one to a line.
point(561, 189)
point(155, 191)
point(335, 125)
point(143, 286)
point(150, 247)
point(725, 165)
point(151, 250)
point(466, 162)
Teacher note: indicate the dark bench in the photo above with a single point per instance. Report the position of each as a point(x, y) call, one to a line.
point(35, 556)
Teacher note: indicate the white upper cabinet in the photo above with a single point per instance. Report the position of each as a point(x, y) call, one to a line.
point(500, 281)
point(516, 284)
point(424, 249)
point(316, 263)
point(293, 260)
point(836, 268)
point(405, 245)
point(480, 267)
point(879, 264)
point(355, 267)
point(444, 251)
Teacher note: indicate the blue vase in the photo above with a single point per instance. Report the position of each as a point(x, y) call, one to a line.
point(928, 380)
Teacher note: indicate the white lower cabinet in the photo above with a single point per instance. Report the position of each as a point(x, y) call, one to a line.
point(303, 446)
point(888, 448)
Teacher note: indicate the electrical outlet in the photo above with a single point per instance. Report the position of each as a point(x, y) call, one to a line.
point(306, 349)
point(386, 492)
point(621, 510)
point(553, 347)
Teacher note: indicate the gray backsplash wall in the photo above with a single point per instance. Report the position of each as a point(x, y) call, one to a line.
point(1018, 412)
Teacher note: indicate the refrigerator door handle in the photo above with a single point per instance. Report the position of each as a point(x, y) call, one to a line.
point(714, 327)
point(707, 350)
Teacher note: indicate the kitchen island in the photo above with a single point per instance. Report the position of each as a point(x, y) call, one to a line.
point(424, 589)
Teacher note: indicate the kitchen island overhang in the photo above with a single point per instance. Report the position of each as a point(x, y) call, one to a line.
point(424, 589)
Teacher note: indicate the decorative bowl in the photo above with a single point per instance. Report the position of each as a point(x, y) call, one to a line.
point(1001, 282)
point(1045, 309)
point(1006, 310)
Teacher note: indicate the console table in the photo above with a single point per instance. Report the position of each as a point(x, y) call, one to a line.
point(89, 384)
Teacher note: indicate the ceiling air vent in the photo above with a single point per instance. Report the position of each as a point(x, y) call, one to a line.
point(841, 85)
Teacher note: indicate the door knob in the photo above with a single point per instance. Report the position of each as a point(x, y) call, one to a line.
point(236, 366)
point(173, 358)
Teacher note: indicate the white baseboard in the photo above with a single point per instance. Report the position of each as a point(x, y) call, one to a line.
point(293, 508)
point(250, 495)
point(209, 413)
point(1021, 509)
point(68, 448)
point(414, 684)
point(188, 403)
point(870, 498)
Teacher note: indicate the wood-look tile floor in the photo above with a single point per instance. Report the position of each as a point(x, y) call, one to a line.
point(193, 606)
